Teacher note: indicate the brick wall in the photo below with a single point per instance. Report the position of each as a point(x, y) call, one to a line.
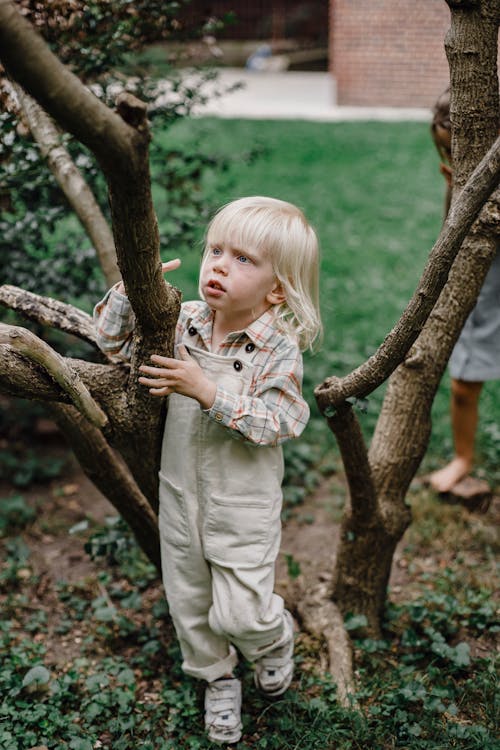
point(389, 52)
point(265, 19)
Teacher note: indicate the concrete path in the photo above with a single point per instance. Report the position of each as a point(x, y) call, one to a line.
point(293, 95)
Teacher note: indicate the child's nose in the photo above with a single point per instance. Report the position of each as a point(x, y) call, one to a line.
point(220, 266)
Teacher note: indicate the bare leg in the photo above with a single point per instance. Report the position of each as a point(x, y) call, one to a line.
point(464, 419)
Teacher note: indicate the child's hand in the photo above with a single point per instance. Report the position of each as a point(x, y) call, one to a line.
point(183, 376)
point(170, 265)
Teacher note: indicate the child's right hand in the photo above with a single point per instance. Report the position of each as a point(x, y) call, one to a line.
point(170, 265)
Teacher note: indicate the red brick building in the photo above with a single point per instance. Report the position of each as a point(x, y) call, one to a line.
point(380, 52)
point(388, 52)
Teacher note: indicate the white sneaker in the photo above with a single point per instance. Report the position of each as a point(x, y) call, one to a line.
point(223, 710)
point(274, 671)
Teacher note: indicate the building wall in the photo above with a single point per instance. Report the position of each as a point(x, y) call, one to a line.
point(388, 52)
point(265, 19)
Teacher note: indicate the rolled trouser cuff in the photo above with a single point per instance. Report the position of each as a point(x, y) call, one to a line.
point(213, 671)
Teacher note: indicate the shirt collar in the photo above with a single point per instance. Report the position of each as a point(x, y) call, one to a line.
point(260, 331)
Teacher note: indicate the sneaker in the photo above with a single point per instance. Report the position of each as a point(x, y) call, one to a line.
point(223, 710)
point(274, 671)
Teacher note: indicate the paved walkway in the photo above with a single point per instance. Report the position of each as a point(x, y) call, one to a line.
point(293, 95)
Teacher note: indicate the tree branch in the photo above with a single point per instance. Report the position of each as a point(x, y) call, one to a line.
point(23, 378)
point(71, 182)
point(372, 373)
point(345, 426)
point(108, 472)
point(49, 312)
point(30, 346)
point(31, 63)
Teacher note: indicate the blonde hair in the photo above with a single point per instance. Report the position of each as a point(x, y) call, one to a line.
point(280, 230)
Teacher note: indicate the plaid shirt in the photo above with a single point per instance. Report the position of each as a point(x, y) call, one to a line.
point(273, 410)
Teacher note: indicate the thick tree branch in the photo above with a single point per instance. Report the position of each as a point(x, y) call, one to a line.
point(49, 312)
point(345, 426)
point(372, 373)
point(31, 64)
point(73, 185)
point(23, 378)
point(108, 472)
point(30, 346)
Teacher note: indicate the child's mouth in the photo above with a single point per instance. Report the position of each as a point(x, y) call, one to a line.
point(213, 287)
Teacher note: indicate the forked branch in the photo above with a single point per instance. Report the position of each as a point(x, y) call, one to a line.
point(464, 210)
point(30, 346)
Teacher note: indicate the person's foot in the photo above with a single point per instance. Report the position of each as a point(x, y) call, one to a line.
point(223, 711)
point(444, 479)
point(274, 671)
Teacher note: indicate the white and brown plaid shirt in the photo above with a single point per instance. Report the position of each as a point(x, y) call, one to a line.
point(272, 411)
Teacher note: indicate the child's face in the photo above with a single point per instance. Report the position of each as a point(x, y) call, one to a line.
point(239, 284)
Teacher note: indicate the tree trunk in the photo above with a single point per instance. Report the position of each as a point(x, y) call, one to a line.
point(369, 535)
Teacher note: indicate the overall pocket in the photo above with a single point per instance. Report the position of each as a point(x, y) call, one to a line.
point(172, 517)
point(242, 531)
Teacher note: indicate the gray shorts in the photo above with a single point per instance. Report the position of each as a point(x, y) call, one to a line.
point(476, 356)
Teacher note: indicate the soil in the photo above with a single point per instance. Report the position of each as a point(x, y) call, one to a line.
point(309, 544)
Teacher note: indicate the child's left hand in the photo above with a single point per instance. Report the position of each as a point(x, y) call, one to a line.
point(183, 376)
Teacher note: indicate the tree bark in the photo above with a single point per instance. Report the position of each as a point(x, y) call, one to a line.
point(369, 536)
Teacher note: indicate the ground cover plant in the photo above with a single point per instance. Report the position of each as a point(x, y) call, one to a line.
point(90, 661)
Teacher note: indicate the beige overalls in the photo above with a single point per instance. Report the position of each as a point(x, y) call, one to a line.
point(219, 519)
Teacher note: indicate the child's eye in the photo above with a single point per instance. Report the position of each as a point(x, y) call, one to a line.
point(243, 259)
point(216, 251)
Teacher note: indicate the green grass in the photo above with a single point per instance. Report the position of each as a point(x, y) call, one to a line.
point(374, 193)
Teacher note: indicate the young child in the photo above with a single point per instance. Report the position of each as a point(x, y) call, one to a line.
point(235, 396)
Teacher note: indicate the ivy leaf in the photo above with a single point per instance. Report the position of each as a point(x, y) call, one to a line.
point(36, 678)
point(353, 622)
point(462, 655)
point(105, 614)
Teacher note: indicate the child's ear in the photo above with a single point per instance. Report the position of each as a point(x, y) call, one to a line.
point(276, 296)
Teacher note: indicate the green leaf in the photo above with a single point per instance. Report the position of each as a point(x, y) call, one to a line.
point(38, 675)
point(462, 655)
point(78, 743)
point(353, 622)
point(105, 614)
point(293, 566)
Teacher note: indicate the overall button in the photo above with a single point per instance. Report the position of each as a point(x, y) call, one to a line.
point(192, 331)
point(218, 416)
point(237, 365)
point(249, 347)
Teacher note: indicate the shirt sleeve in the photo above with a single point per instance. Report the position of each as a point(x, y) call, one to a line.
point(275, 411)
point(114, 322)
